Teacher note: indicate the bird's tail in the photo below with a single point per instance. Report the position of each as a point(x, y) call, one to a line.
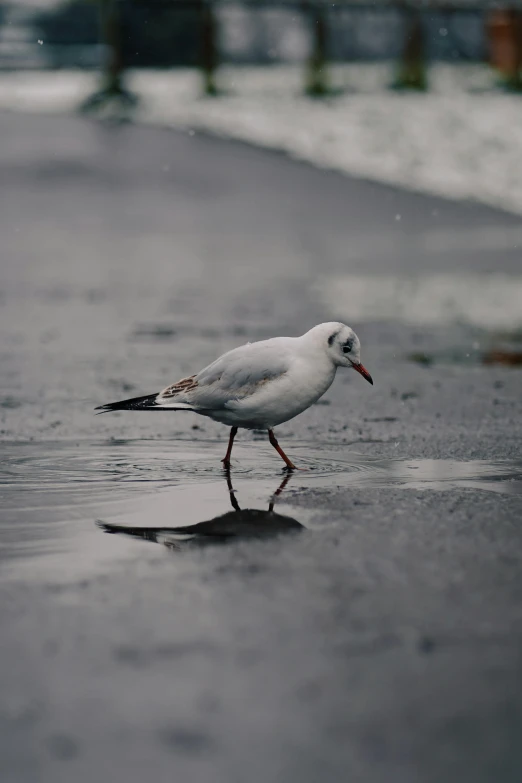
point(149, 402)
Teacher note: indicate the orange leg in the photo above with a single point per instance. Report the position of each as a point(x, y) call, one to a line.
point(272, 438)
point(226, 460)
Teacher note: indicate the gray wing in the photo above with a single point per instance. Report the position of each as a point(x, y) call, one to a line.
point(234, 376)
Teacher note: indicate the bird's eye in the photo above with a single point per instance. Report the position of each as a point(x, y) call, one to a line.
point(347, 348)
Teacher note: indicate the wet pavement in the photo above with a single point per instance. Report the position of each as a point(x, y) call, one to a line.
point(375, 636)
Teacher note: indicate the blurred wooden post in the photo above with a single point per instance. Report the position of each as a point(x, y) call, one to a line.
point(209, 47)
point(110, 27)
point(504, 29)
point(411, 73)
point(316, 71)
point(112, 90)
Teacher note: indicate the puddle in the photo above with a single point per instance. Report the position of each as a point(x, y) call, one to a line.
point(52, 494)
point(65, 477)
point(234, 524)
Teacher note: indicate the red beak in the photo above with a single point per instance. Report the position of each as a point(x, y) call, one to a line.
point(363, 371)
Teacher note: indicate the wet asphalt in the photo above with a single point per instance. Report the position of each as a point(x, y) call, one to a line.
point(379, 641)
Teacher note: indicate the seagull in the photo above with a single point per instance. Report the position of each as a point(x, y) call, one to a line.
point(260, 385)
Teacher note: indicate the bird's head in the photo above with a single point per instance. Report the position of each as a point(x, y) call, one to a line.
point(342, 346)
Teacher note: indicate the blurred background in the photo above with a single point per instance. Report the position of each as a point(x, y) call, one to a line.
point(188, 231)
point(207, 33)
point(421, 94)
point(166, 33)
point(144, 233)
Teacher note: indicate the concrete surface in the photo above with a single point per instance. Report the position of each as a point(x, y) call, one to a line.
point(380, 642)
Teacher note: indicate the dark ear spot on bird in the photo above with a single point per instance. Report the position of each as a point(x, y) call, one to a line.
point(332, 338)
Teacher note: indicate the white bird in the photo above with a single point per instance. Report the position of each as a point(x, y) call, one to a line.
point(260, 385)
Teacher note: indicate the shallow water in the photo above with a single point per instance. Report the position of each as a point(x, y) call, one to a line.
point(52, 493)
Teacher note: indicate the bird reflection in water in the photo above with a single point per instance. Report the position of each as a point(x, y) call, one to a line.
point(239, 523)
